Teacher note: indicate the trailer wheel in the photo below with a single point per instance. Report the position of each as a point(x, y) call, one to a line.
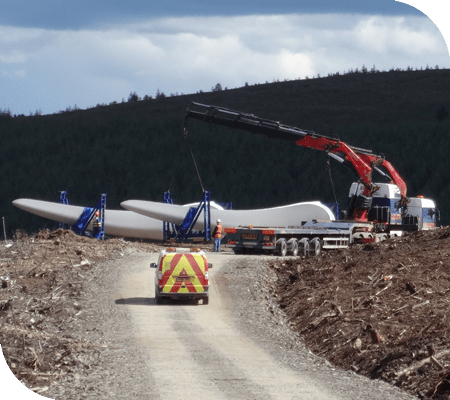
point(304, 247)
point(281, 247)
point(316, 246)
point(293, 247)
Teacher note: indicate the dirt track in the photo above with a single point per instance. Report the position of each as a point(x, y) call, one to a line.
point(233, 348)
point(196, 351)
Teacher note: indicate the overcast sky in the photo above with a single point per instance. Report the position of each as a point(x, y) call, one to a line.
point(57, 54)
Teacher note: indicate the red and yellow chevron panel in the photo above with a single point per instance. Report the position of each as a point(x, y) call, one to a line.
point(184, 273)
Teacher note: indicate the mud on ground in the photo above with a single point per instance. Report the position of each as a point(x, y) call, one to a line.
point(377, 309)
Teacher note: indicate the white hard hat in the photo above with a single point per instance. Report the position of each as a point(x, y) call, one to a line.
point(218, 221)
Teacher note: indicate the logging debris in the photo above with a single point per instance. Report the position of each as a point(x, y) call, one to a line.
point(42, 318)
point(378, 309)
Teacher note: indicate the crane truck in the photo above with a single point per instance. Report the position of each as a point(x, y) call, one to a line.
point(375, 210)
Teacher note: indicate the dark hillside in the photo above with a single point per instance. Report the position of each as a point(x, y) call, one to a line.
point(134, 150)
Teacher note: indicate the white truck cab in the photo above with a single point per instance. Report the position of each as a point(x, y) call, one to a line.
point(386, 207)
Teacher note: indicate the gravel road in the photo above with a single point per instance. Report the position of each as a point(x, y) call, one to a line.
point(239, 346)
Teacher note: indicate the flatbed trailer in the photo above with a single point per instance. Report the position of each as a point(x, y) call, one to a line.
point(309, 239)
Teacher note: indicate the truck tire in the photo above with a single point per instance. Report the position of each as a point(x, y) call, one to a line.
point(158, 298)
point(315, 246)
point(205, 300)
point(293, 247)
point(281, 247)
point(304, 247)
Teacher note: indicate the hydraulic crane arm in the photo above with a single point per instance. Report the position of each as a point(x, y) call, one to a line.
point(248, 122)
point(251, 123)
point(361, 161)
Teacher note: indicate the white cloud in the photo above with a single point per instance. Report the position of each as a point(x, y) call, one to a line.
point(411, 36)
point(13, 57)
point(51, 70)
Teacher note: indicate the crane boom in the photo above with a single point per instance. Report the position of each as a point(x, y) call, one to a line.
point(361, 161)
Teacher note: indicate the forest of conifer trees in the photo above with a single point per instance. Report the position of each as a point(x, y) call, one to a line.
point(136, 150)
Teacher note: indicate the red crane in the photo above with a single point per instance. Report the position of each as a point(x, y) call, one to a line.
point(361, 161)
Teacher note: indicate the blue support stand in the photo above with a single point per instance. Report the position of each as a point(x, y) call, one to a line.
point(169, 229)
point(334, 207)
point(185, 231)
point(63, 200)
point(87, 216)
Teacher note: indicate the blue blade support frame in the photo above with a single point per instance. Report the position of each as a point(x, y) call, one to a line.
point(63, 199)
point(87, 216)
point(185, 231)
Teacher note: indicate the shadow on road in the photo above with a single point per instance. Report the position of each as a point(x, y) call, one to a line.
point(151, 301)
point(137, 301)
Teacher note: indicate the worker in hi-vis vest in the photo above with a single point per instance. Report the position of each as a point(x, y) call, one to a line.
point(217, 234)
point(97, 223)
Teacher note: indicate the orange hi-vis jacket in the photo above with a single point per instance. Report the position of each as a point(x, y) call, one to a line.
point(218, 231)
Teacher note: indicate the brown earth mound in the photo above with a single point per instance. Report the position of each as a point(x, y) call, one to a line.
point(378, 309)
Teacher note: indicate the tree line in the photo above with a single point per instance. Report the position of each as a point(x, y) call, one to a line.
point(137, 150)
